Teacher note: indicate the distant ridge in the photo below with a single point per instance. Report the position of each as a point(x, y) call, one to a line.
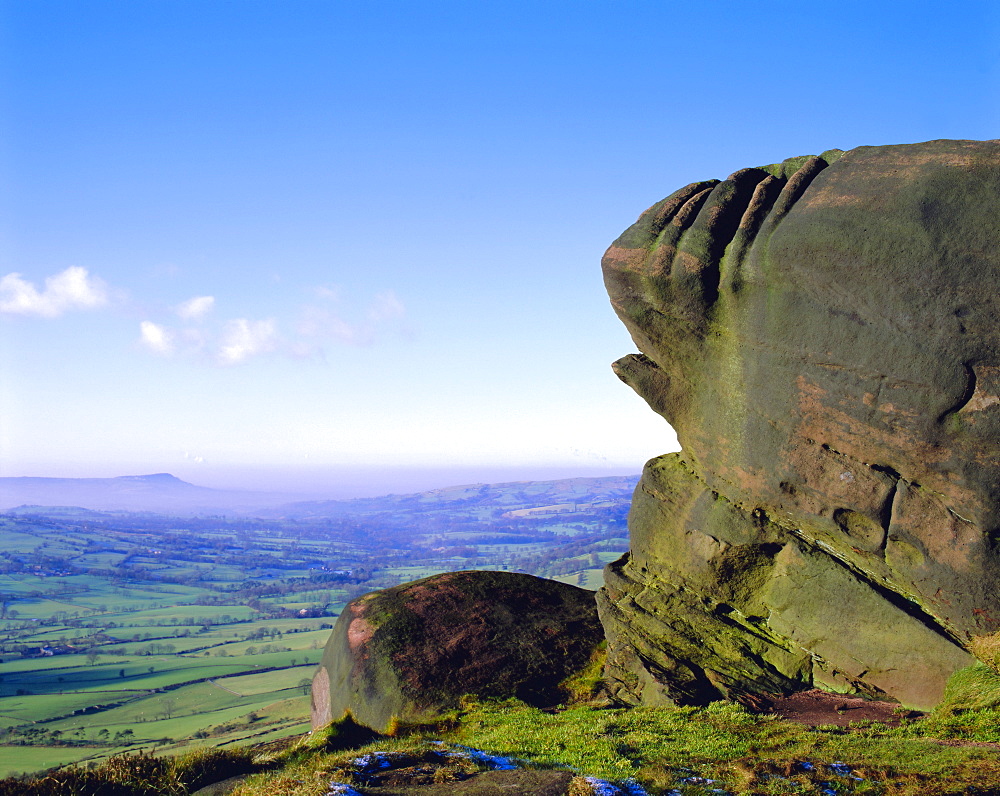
point(164, 493)
point(156, 492)
point(506, 496)
point(159, 478)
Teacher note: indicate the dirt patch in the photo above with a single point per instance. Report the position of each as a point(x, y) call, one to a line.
point(816, 707)
point(958, 742)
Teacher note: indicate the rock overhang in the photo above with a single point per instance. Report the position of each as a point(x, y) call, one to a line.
point(821, 335)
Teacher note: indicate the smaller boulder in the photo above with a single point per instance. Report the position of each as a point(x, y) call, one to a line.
point(408, 654)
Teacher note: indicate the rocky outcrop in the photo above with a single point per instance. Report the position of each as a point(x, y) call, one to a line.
point(408, 654)
point(823, 336)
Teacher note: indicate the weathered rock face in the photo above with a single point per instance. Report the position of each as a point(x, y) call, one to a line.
point(823, 336)
point(409, 653)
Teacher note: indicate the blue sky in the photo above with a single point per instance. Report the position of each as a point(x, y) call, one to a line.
point(274, 243)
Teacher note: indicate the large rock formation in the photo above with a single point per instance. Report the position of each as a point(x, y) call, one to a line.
point(823, 335)
point(408, 654)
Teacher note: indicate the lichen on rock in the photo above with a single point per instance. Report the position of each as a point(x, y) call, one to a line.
point(408, 654)
point(823, 336)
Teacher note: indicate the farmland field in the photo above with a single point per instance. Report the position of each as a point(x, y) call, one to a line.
point(125, 631)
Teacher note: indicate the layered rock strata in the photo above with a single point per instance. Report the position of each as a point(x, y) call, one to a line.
point(822, 334)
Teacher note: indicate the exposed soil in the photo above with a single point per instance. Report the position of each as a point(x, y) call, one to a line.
point(816, 708)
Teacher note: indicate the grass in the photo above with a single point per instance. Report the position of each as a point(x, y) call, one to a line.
point(721, 742)
point(691, 751)
point(26, 759)
point(616, 744)
point(201, 713)
point(665, 750)
point(987, 649)
point(276, 680)
point(591, 579)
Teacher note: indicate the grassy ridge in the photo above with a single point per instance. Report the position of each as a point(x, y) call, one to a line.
point(691, 751)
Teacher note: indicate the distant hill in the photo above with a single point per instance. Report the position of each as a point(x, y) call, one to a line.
point(563, 495)
point(163, 493)
point(160, 492)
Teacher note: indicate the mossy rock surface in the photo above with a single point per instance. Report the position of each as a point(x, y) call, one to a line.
point(823, 336)
point(408, 654)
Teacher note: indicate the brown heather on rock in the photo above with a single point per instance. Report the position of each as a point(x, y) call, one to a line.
point(823, 335)
point(407, 655)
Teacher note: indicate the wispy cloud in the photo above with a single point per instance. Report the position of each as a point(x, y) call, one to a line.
point(72, 289)
point(386, 307)
point(156, 338)
point(326, 321)
point(321, 322)
point(327, 292)
point(195, 308)
point(242, 339)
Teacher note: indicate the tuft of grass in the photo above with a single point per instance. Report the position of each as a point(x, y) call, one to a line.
point(973, 688)
point(987, 649)
point(588, 683)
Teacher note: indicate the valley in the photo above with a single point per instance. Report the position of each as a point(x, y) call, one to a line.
point(121, 631)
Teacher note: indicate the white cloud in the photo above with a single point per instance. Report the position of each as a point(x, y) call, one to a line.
point(156, 338)
point(242, 339)
point(322, 322)
point(72, 289)
point(385, 307)
point(195, 308)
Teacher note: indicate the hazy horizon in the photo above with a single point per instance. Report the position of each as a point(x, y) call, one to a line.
point(350, 482)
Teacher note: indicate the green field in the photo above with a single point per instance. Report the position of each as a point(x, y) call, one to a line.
point(136, 631)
